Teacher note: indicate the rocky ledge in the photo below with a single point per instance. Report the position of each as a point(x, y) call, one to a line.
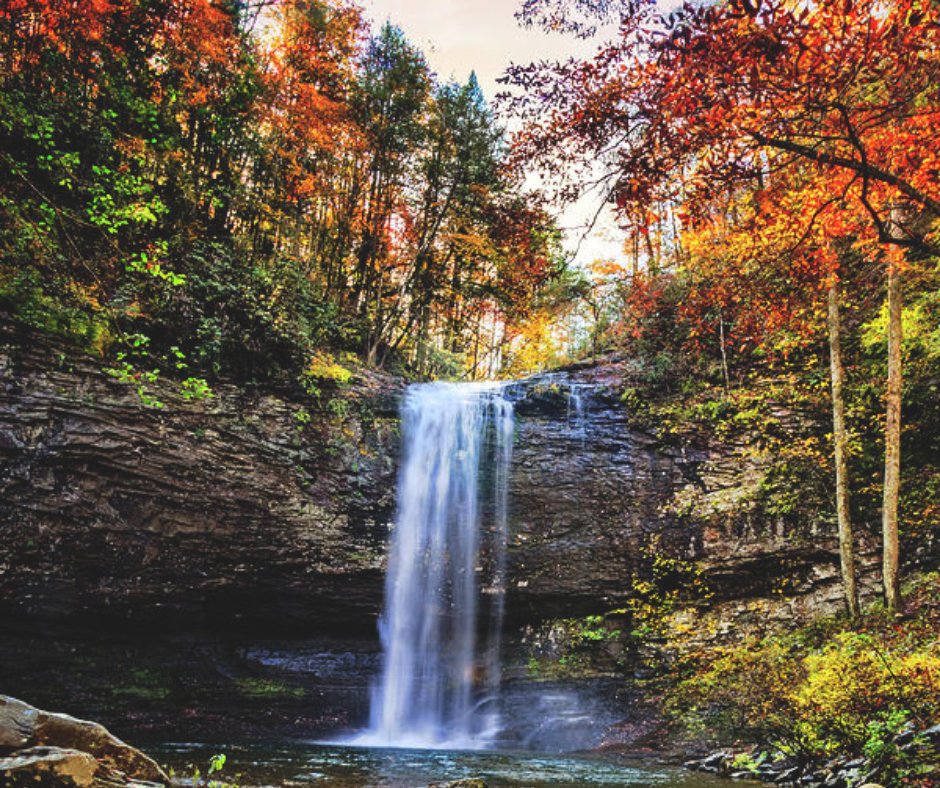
point(40, 749)
point(266, 510)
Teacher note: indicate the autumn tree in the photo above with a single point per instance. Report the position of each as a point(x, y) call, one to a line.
point(245, 186)
point(721, 97)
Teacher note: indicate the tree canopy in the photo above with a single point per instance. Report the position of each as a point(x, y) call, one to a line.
point(255, 187)
point(772, 164)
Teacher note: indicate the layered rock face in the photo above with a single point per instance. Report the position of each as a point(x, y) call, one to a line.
point(596, 497)
point(252, 510)
point(587, 488)
point(257, 521)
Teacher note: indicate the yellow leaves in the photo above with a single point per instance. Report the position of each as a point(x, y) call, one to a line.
point(607, 268)
point(322, 366)
point(538, 343)
point(85, 294)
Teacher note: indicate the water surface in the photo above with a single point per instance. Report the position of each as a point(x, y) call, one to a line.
point(299, 765)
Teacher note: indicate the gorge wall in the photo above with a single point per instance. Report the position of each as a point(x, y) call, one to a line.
point(597, 496)
point(242, 538)
point(249, 510)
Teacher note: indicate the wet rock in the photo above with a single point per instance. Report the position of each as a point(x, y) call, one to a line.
point(852, 776)
point(49, 767)
point(466, 782)
point(718, 760)
point(47, 744)
point(768, 772)
point(933, 734)
point(906, 736)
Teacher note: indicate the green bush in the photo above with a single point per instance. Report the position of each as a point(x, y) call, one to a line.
point(833, 688)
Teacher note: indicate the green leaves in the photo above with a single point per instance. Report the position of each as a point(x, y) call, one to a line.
point(216, 762)
point(256, 200)
point(142, 263)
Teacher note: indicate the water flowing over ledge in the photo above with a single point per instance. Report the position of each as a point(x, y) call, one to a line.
point(445, 586)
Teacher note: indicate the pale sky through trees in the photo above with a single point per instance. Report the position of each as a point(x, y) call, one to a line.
point(460, 36)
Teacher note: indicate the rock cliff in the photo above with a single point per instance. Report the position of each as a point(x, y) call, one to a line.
point(597, 496)
point(257, 520)
point(256, 510)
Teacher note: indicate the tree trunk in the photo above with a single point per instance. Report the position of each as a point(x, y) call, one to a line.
point(892, 484)
point(724, 354)
point(839, 437)
point(421, 355)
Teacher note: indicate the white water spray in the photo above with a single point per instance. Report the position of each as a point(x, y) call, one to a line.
point(440, 674)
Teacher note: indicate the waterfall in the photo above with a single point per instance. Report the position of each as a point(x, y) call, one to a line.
point(577, 416)
point(444, 588)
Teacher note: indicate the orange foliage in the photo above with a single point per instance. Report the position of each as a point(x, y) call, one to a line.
point(309, 59)
point(772, 129)
point(201, 46)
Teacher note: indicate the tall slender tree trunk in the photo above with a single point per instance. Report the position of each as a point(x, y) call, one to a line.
point(652, 262)
point(724, 354)
point(595, 334)
point(892, 585)
point(846, 547)
point(423, 340)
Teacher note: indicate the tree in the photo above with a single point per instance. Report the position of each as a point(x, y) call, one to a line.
point(840, 445)
point(180, 181)
point(890, 566)
point(721, 97)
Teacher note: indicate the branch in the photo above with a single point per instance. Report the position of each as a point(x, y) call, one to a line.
point(865, 169)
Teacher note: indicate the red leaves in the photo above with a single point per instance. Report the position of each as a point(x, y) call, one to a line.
point(848, 84)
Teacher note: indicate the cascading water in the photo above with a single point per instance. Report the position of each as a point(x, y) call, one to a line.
point(440, 673)
point(577, 410)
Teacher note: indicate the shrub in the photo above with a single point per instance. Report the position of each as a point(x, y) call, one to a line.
point(833, 688)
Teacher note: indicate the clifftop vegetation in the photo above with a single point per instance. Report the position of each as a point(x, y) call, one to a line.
point(208, 185)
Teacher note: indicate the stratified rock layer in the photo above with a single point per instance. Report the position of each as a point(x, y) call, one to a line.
point(252, 510)
point(258, 519)
point(595, 497)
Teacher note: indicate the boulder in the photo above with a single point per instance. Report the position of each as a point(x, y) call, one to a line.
point(57, 749)
point(49, 766)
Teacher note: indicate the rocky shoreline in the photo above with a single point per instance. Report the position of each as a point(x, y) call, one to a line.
point(840, 772)
point(42, 749)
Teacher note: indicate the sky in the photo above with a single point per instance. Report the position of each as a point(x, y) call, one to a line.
point(460, 36)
